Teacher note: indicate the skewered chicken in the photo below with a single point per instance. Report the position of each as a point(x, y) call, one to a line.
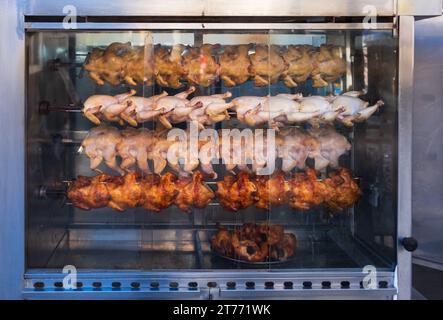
point(236, 193)
point(200, 65)
point(175, 109)
point(126, 192)
point(271, 190)
point(306, 191)
point(101, 144)
point(331, 146)
point(99, 107)
point(159, 192)
point(168, 66)
point(294, 147)
point(135, 147)
point(89, 193)
point(302, 192)
point(234, 65)
point(139, 70)
point(267, 65)
point(346, 191)
point(353, 108)
point(299, 59)
point(108, 65)
point(134, 65)
point(140, 109)
point(193, 192)
point(213, 109)
point(329, 66)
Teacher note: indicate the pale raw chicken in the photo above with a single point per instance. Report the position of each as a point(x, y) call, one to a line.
point(101, 144)
point(320, 104)
point(294, 147)
point(175, 109)
point(277, 111)
point(353, 109)
point(213, 109)
point(141, 109)
point(134, 148)
point(107, 107)
point(159, 151)
point(332, 146)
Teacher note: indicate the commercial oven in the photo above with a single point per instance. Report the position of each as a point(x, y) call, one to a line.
point(328, 85)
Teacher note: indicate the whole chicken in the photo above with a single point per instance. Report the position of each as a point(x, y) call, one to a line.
point(234, 65)
point(331, 146)
point(135, 147)
point(294, 147)
point(353, 109)
point(168, 66)
point(107, 107)
point(139, 70)
point(108, 65)
point(322, 105)
point(159, 192)
point(345, 193)
point(89, 193)
point(101, 144)
point(212, 109)
point(141, 109)
point(193, 192)
point(299, 59)
point(329, 66)
point(126, 192)
point(236, 193)
point(175, 109)
point(306, 191)
point(267, 65)
point(271, 190)
point(200, 65)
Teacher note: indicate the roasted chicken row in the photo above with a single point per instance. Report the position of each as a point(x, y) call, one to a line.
point(255, 243)
point(234, 64)
point(275, 111)
point(152, 192)
point(138, 147)
point(302, 191)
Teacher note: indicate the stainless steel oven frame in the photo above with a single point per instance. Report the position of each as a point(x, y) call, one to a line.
point(18, 283)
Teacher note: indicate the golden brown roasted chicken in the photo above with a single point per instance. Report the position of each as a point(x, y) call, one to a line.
point(168, 66)
point(271, 190)
point(255, 243)
point(236, 193)
point(299, 59)
point(234, 65)
point(126, 192)
point(89, 193)
point(200, 65)
point(267, 65)
point(139, 70)
point(346, 191)
point(108, 65)
point(306, 191)
point(159, 192)
point(329, 66)
point(193, 192)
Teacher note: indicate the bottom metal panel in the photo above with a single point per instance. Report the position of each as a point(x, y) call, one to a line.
point(318, 284)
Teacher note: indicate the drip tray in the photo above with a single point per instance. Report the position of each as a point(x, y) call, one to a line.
point(185, 249)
